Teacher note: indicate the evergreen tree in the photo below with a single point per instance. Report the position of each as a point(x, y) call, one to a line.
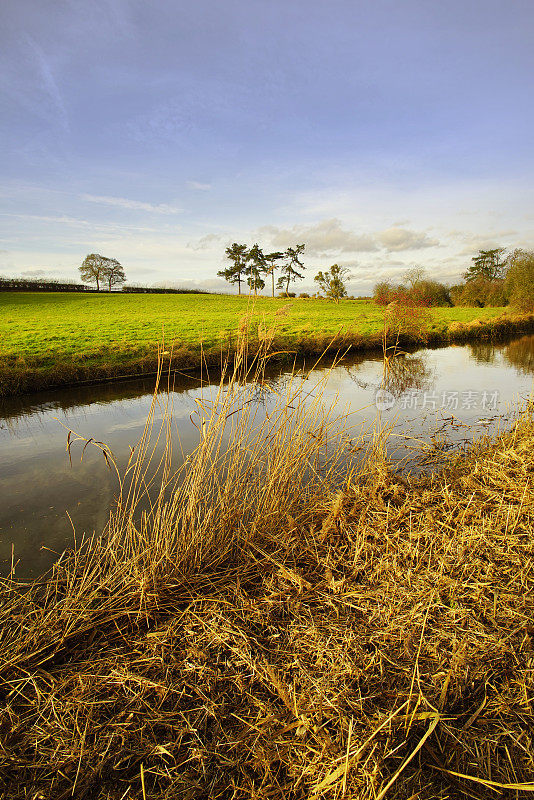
point(488, 264)
point(289, 267)
point(237, 255)
point(271, 259)
point(256, 267)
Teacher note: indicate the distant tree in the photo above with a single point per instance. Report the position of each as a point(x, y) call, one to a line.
point(271, 259)
point(289, 267)
point(256, 267)
point(488, 264)
point(414, 276)
point(114, 273)
point(332, 282)
point(93, 269)
point(520, 279)
point(234, 273)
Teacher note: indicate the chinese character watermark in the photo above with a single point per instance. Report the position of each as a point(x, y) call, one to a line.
point(469, 400)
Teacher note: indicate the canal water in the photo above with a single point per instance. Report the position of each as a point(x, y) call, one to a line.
point(430, 399)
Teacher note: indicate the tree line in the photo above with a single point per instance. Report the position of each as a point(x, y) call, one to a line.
point(495, 277)
point(41, 285)
point(498, 277)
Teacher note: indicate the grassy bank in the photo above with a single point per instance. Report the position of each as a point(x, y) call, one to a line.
point(277, 627)
point(55, 339)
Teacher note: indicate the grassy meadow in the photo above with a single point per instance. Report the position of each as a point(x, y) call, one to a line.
point(274, 627)
point(60, 338)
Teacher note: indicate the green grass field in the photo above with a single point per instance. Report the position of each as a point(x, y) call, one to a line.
point(104, 333)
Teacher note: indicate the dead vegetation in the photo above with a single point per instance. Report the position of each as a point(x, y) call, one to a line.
point(276, 626)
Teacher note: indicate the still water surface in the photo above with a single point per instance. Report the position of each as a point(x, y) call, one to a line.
point(443, 397)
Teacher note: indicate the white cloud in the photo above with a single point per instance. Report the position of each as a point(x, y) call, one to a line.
point(134, 205)
point(395, 239)
point(201, 187)
point(320, 239)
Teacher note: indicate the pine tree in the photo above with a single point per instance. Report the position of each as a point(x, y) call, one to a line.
point(488, 264)
point(237, 254)
point(289, 267)
point(272, 258)
point(256, 267)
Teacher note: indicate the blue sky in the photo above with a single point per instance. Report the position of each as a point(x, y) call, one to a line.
point(383, 134)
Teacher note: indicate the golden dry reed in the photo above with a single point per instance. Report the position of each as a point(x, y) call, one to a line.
point(270, 622)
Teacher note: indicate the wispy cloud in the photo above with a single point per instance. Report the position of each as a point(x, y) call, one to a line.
point(77, 222)
point(133, 205)
point(49, 83)
point(201, 187)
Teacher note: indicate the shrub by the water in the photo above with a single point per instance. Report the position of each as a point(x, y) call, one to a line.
point(480, 292)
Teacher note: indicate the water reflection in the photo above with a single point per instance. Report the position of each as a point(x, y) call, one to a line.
point(520, 354)
point(484, 352)
point(38, 486)
point(404, 372)
point(40, 404)
point(401, 372)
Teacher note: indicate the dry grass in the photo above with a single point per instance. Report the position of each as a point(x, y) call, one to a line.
point(272, 626)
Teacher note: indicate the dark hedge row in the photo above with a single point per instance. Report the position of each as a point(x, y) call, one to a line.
point(35, 285)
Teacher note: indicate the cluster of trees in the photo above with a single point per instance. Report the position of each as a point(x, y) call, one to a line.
point(519, 280)
point(484, 280)
point(101, 270)
point(416, 289)
point(251, 265)
point(497, 277)
point(494, 278)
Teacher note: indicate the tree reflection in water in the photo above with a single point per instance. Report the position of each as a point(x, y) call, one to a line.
point(520, 354)
point(484, 352)
point(402, 372)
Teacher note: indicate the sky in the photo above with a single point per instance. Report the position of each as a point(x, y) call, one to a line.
point(383, 134)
